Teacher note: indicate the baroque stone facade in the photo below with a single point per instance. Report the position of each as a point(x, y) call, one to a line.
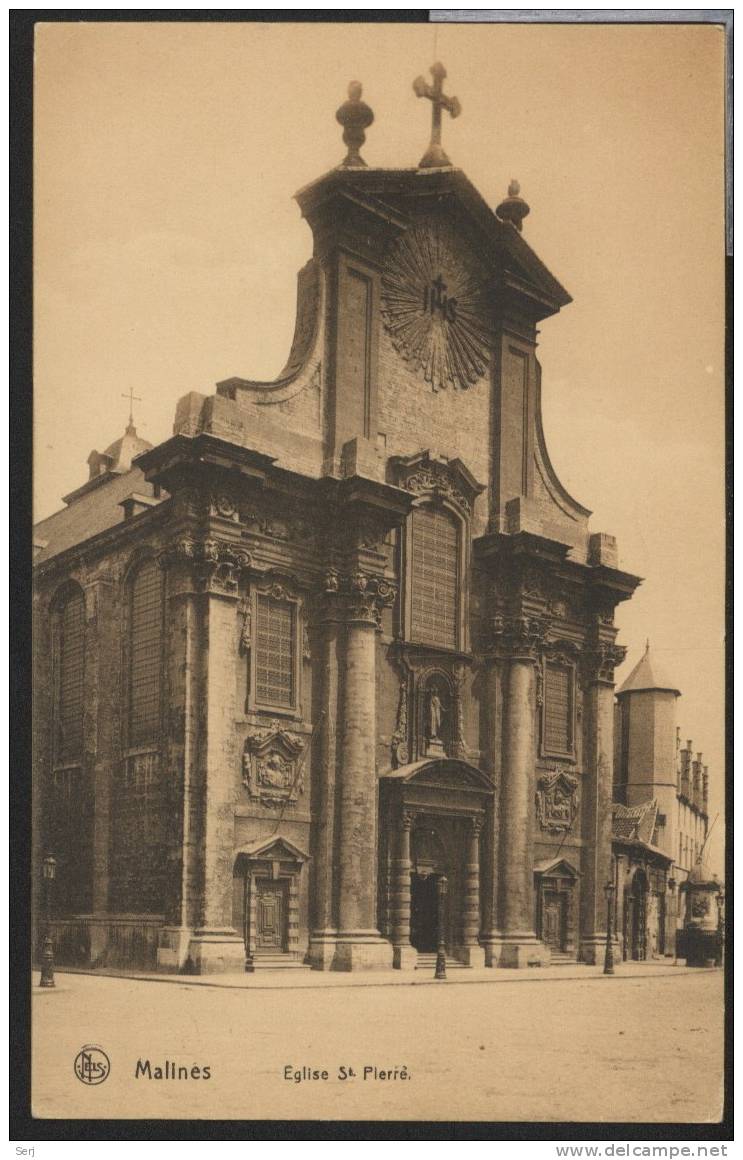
point(342, 635)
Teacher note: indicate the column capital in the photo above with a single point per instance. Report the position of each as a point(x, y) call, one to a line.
point(215, 565)
point(356, 597)
point(476, 824)
point(407, 817)
point(599, 661)
point(518, 637)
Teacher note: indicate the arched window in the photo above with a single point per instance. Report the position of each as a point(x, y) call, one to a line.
point(68, 818)
point(434, 577)
point(70, 676)
point(145, 655)
point(140, 808)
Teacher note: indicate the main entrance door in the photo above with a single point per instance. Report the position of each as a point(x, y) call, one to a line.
point(270, 933)
point(424, 912)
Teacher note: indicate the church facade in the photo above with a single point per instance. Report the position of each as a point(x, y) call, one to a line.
point(344, 634)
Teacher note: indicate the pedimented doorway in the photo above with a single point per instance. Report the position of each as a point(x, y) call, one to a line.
point(269, 870)
point(433, 813)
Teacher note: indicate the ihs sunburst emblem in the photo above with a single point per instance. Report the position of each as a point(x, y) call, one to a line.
point(434, 309)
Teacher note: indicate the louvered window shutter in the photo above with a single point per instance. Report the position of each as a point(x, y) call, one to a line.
point(145, 655)
point(275, 652)
point(434, 579)
point(558, 709)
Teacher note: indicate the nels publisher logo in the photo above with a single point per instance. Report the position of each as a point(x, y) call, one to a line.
point(92, 1065)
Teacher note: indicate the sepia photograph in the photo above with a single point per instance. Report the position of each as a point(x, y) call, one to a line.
point(379, 532)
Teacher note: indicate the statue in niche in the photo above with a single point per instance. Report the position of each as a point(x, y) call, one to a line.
point(435, 713)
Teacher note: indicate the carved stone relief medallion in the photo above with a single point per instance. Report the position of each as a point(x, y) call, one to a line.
point(272, 765)
point(556, 800)
point(434, 307)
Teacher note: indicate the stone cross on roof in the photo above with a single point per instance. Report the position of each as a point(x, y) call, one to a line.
point(132, 400)
point(434, 155)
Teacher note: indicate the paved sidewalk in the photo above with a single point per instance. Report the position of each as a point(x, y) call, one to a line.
point(308, 979)
point(642, 1045)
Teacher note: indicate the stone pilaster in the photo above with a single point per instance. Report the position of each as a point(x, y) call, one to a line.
point(185, 855)
point(405, 955)
point(323, 867)
point(470, 951)
point(293, 917)
point(214, 945)
point(517, 642)
point(359, 944)
point(102, 693)
point(598, 757)
point(491, 877)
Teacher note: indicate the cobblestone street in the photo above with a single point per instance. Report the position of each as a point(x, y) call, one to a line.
point(641, 1046)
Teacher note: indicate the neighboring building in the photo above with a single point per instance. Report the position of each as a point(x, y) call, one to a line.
point(344, 633)
point(660, 813)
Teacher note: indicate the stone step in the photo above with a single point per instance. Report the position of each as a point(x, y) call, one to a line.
point(427, 962)
point(271, 962)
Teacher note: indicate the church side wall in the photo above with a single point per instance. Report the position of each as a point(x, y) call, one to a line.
point(89, 928)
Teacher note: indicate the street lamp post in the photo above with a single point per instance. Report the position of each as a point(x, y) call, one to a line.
point(442, 886)
point(49, 870)
point(674, 926)
point(609, 953)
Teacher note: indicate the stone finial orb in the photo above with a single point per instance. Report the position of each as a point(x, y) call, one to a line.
point(355, 116)
point(513, 208)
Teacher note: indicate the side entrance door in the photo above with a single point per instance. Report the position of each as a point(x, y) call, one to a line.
point(270, 916)
point(553, 920)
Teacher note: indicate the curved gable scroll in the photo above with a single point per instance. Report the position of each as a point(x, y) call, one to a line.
point(302, 367)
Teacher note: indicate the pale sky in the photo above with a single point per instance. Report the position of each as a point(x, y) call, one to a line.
point(167, 245)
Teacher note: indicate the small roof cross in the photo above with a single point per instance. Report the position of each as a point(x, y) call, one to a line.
point(132, 400)
point(434, 155)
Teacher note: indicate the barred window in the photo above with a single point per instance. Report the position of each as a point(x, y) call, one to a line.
point(145, 654)
point(71, 670)
point(275, 645)
point(558, 709)
point(434, 577)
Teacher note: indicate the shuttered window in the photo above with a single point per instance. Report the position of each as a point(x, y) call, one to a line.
point(434, 578)
point(558, 709)
point(275, 643)
point(145, 655)
point(71, 660)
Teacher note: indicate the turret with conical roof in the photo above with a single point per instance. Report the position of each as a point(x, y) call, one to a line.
point(648, 676)
point(646, 765)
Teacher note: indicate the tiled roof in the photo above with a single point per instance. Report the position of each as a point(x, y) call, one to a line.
point(634, 823)
point(90, 513)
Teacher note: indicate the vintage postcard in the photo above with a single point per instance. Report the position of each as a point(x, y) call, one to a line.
point(379, 565)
